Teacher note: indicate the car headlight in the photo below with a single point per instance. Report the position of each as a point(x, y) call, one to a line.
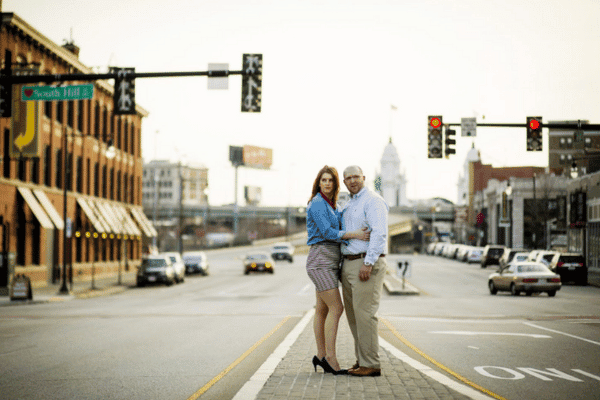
point(268, 265)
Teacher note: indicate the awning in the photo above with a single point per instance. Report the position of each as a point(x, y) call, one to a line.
point(113, 225)
point(36, 208)
point(143, 221)
point(130, 226)
point(93, 204)
point(98, 226)
point(50, 210)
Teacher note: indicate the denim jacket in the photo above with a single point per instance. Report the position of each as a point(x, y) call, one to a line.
point(323, 222)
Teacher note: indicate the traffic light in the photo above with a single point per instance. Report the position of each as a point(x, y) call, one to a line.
point(534, 133)
point(6, 88)
point(450, 142)
point(252, 82)
point(434, 136)
point(124, 95)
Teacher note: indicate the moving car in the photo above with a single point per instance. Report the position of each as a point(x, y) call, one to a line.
point(155, 269)
point(178, 265)
point(526, 276)
point(570, 267)
point(491, 255)
point(195, 262)
point(283, 251)
point(258, 261)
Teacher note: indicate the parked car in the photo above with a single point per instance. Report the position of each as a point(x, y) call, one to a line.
point(508, 255)
point(283, 251)
point(474, 255)
point(155, 269)
point(491, 255)
point(545, 257)
point(570, 267)
point(463, 250)
point(533, 255)
point(258, 261)
point(195, 262)
point(431, 247)
point(178, 265)
point(526, 276)
point(439, 248)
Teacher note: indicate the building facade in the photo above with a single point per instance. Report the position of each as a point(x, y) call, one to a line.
point(566, 153)
point(166, 184)
point(392, 183)
point(71, 170)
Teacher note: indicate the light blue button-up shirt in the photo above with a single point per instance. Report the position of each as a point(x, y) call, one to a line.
point(322, 222)
point(366, 209)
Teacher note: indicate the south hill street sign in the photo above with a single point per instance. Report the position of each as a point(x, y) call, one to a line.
point(49, 93)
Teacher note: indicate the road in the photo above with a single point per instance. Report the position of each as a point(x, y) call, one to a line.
point(172, 342)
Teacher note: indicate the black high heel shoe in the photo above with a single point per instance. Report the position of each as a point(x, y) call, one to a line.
point(329, 369)
point(316, 362)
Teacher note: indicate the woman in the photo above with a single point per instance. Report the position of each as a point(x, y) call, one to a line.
point(322, 265)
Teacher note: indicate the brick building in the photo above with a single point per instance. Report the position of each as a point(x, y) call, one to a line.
point(105, 221)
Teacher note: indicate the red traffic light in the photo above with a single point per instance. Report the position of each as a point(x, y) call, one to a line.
point(435, 122)
point(534, 124)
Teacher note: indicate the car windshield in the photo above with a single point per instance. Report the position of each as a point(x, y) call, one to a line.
point(495, 252)
point(154, 263)
point(521, 257)
point(256, 257)
point(571, 259)
point(281, 247)
point(192, 258)
point(532, 268)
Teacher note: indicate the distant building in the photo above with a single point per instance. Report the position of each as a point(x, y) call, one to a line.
point(165, 183)
point(391, 183)
point(105, 222)
point(564, 152)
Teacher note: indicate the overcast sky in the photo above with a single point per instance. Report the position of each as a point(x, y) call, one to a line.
point(332, 70)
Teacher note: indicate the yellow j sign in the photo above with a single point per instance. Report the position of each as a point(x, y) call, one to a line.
point(25, 136)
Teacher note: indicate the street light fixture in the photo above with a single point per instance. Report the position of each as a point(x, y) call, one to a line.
point(110, 153)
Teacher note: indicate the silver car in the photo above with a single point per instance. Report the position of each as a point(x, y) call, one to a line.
point(178, 265)
point(527, 276)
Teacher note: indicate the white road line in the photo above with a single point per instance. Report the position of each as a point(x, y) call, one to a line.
point(469, 333)
point(304, 290)
point(562, 333)
point(251, 388)
point(441, 378)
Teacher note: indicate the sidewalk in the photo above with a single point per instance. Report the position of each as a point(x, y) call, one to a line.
point(79, 290)
point(293, 377)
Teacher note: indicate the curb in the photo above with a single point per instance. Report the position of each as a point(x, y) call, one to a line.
point(394, 286)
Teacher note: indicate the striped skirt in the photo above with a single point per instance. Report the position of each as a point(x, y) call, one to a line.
point(322, 265)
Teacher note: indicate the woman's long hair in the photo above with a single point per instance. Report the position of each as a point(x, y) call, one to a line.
point(336, 183)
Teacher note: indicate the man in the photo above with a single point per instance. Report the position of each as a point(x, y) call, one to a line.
point(363, 269)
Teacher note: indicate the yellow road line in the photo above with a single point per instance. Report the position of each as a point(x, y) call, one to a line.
point(217, 378)
point(437, 364)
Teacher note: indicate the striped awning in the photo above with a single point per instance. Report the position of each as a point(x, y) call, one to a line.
point(50, 209)
point(36, 208)
point(143, 221)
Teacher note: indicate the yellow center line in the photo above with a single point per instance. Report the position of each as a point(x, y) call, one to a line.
point(437, 364)
point(217, 378)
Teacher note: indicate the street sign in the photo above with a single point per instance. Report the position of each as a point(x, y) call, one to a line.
point(218, 82)
point(50, 93)
point(468, 127)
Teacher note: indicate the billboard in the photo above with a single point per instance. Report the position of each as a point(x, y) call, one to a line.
point(258, 157)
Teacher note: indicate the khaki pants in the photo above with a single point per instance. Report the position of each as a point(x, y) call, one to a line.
point(361, 301)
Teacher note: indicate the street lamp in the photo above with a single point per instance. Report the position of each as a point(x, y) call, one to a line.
point(110, 153)
point(508, 229)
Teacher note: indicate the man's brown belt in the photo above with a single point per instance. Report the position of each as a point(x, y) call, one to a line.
point(357, 256)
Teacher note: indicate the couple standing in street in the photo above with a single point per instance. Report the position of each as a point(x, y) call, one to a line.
point(346, 245)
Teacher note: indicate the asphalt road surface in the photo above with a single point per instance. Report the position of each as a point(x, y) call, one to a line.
point(162, 342)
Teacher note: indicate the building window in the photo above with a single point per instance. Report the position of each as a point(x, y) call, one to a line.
point(48, 166)
point(48, 109)
point(79, 174)
point(104, 182)
point(566, 142)
point(6, 158)
point(80, 105)
point(71, 113)
point(89, 172)
point(112, 184)
point(35, 170)
point(59, 169)
point(59, 111)
point(104, 124)
point(97, 180)
point(22, 173)
point(97, 121)
point(125, 136)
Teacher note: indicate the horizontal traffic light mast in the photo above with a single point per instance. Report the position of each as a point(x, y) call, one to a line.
point(553, 125)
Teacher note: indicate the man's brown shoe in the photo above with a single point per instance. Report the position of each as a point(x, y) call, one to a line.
point(355, 366)
point(364, 371)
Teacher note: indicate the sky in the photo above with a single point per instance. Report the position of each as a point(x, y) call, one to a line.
point(332, 71)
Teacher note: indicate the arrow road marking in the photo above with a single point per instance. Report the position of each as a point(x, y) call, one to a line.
point(468, 333)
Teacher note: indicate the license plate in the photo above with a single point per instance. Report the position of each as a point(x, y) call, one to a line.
point(572, 268)
point(151, 279)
